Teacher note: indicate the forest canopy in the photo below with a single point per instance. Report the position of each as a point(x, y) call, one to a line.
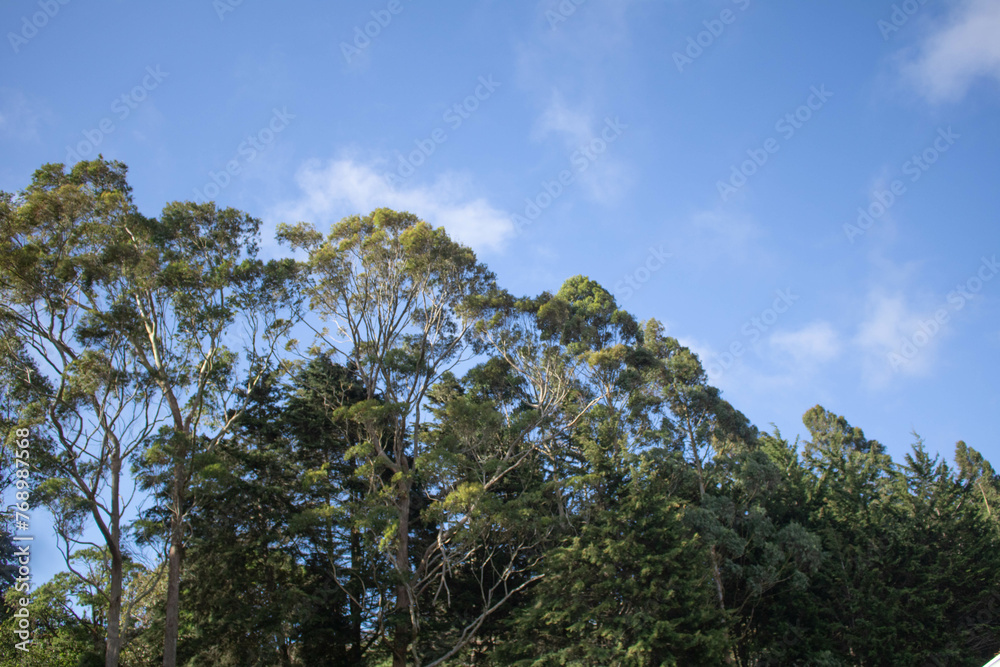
point(368, 452)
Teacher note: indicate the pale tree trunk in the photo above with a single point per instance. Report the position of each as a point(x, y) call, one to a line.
point(356, 565)
point(112, 648)
point(174, 557)
point(173, 599)
point(403, 630)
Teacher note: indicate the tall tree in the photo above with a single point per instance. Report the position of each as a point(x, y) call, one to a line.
point(207, 321)
point(405, 300)
point(395, 288)
point(65, 273)
point(694, 420)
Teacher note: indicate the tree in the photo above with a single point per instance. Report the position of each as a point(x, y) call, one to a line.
point(978, 474)
point(344, 573)
point(243, 582)
point(403, 297)
point(851, 500)
point(277, 574)
point(695, 421)
point(944, 566)
point(65, 273)
point(202, 285)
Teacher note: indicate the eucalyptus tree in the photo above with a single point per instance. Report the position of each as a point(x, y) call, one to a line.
point(600, 341)
point(408, 306)
point(693, 419)
point(572, 356)
point(396, 290)
point(134, 325)
point(66, 269)
point(207, 321)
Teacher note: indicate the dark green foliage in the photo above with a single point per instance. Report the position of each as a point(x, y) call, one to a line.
point(628, 588)
point(272, 559)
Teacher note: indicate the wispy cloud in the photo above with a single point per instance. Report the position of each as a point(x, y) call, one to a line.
point(713, 235)
point(888, 322)
point(341, 187)
point(587, 140)
point(813, 344)
point(573, 124)
point(964, 49)
point(20, 117)
point(565, 70)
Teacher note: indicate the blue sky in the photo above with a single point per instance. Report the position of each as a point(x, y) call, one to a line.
point(805, 194)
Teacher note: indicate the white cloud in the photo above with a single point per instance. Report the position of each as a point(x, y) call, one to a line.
point(783, 361)
point(813, 344)
point(966, 48)
point(345, 187)
point(884, 335)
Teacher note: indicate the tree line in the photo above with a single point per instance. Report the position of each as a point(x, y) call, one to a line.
point(442, 473)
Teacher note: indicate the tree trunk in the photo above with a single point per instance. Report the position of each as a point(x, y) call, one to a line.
point(174, 557)
point(173, 599)
point(112, 647)
point(356, 564)
point(403, 629)
point(113, 642)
